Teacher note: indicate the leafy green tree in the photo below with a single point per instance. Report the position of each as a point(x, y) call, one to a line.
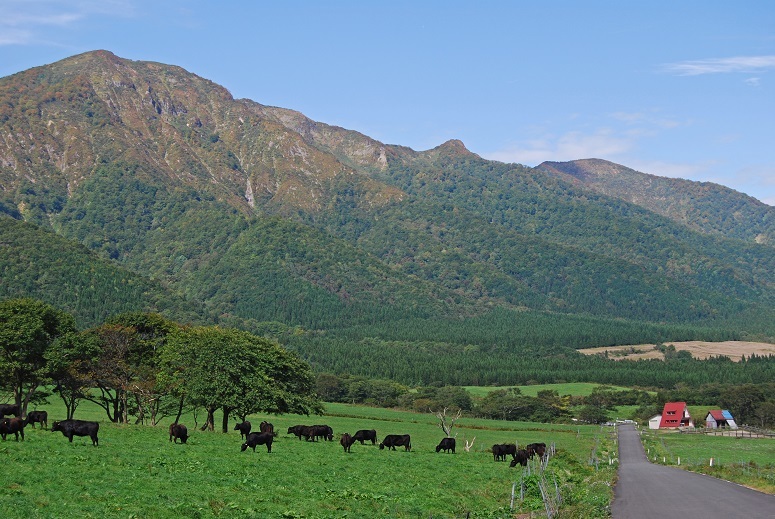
point(236, 371)
point(28, 329)
point(150, 332)
point(592, 413)
point(70, 360)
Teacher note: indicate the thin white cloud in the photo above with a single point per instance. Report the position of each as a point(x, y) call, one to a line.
point(746, 64)
point(570, 146)
point(24, 22)
point(753, 81)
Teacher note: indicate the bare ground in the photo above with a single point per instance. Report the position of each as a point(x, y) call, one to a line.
point(699, 350)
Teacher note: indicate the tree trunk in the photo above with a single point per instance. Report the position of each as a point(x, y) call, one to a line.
point(180, 411)
point(209, 424)
point(225, 421)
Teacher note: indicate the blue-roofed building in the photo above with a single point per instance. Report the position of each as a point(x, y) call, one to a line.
point(718, 418)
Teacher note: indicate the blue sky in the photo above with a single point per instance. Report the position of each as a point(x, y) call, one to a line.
point(672, 88)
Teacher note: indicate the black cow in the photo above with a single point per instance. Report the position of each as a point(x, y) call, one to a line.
point(347, 441)
point(72, 428)
point(243, 428)
point(323, 431)
point(391, 441)
point(520, 457)
point(536, 448)
point(446, 444)
point(302, 430)
point(178, 431)
point(6, 409)
point(13, 426)
point(40, 417)
point(266, 427)
point(255, 438)
point(499, 451)
point(366, 435)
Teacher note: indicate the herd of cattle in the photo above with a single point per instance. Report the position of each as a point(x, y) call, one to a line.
point(264, 436)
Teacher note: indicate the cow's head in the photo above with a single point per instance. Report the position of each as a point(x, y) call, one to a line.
point(56, 427)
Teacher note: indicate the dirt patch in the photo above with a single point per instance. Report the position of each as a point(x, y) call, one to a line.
point(699, 350)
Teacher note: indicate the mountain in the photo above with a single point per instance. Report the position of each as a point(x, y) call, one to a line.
point(36, 262)
point(257, 214)
point(703, 206)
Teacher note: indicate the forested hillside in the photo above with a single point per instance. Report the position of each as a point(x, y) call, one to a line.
point(232, 212)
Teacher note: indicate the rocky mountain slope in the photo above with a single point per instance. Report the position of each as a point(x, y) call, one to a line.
point(262, 214)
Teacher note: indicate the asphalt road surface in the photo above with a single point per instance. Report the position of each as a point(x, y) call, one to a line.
point(651, 491)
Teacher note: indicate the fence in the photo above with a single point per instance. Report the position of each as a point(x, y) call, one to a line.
point(550, 490)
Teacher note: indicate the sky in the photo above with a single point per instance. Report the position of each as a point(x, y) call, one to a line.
point(681, 89)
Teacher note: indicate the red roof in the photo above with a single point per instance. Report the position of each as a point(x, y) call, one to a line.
point(673, 415)
point(717, 414)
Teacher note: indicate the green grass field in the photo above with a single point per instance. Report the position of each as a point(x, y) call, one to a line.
point(571, 388)
point(137, 472)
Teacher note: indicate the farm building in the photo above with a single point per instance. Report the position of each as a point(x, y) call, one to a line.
point(654, 421)
point(718, 418)
point(675, 415)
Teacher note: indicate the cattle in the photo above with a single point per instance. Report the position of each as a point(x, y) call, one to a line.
point(536, 448)
point(266, 427)
point(243, 428)
point(323, 431)
point(302, 430)
point(72, 428)
point(446, 444)
point(6, 409)
point(13, 426)
point(391, 441)
point(499, 451)
point(366, 435)
point(347, 441)
point(258, 438)
point(520, 457)
point(40, 417)
point(178, 431)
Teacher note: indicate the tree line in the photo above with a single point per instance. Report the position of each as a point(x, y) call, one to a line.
point(143, 366)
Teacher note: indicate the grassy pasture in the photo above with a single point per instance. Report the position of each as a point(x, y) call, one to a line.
point(137, 472)
point(570, 388)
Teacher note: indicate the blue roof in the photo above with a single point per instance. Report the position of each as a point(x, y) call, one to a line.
point(726, 414)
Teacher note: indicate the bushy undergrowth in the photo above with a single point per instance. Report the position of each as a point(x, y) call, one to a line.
point(137, 472)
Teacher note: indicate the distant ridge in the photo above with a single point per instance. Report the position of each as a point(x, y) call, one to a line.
point(703, 206)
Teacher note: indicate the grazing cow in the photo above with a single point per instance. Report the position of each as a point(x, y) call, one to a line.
point(72, 428)
point(366, 435)
point(302, 430)
point(6, 409)
point(243, 428)
point(178, 431)
point(266, 427)
point(391, 441)
point(13, 426)
point(446, 444)
point(347, 441)
point(259, 438)
point(499, 451)
point(322, 431)
point(40, 417)
point(536, 448)
point(520, 457)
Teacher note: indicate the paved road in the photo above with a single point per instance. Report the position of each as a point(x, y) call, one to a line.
point(650, 491)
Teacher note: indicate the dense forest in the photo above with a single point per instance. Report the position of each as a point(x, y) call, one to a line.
point(136, 187)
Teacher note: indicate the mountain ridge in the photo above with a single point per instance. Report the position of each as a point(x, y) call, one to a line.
point(167, 174)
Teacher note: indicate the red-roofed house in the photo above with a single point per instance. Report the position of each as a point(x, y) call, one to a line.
point(717, 418)
point(675, 415)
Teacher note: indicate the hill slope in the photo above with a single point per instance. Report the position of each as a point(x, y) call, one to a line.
point(262, 214)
